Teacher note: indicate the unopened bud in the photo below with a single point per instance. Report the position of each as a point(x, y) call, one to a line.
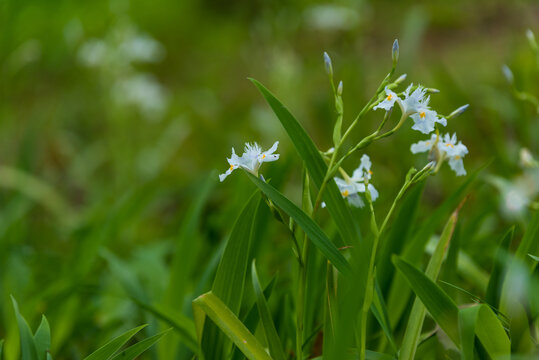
point(432, 91)
point(400, 79)
point(531, 38)
point(339, 88)
point(459, 111)
point(508, 74)
point(395, 51)
point(327, 63)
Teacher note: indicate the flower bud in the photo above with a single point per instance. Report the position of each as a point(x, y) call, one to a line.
point(395, 51)
point(400, 79)
point(459, 111)
point(508, 74)
point(531, 38)
point(339, 88)
point(432, 91)
point(327, 63)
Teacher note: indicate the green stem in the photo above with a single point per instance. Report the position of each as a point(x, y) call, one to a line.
point(369, 291)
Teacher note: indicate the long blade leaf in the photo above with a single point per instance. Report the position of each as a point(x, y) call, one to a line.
point(232, 327)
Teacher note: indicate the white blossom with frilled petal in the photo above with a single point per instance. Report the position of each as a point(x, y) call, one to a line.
point(251, 159)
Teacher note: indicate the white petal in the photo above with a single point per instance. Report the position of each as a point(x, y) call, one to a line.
point(457, 166)
point(222, 177)
point(356, 201)
point(373, 191)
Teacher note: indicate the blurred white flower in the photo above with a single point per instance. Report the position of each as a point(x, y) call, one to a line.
point(415, 104)
point(350, 187)
point(251, 159)
point(388, 102)
point(142, 91)
point(448, 148)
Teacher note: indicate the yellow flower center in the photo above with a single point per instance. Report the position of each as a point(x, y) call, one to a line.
point(422, 114)
point(263, 156)
point(345, 193)
point(450, 145)
point(457, 157)
point(231, 167)
point(370, 172)
point(389, 97)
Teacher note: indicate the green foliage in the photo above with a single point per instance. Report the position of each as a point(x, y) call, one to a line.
point(114, 112)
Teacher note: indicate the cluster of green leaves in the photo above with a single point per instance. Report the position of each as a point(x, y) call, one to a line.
point(476, 329)
point(37, 346)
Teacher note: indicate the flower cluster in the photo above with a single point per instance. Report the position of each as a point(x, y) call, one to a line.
point(447, 148)
point(251, 159)
point(350, 187)
point(415, 105)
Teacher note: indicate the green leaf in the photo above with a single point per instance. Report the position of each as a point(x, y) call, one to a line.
point(42, 338)
point(186, 243)
point(529, 243)
point(417, 315)
point(399, 293)
point(467, 321)
point(491, 333)
point(379, 309)
point(109, 349)
point(495, 281)
point(441, 307)
point(1, 348)
point(274, 343)
point(400, 232)
point(135, 350)
point(210, 305)
point(28, 346)
point(536, 258)
point(182, 325)
point(229, 280)
point(313, 231)
point(314, 162)
point(250, 320)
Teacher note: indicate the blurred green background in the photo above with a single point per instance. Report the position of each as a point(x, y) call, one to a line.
point(114, 113)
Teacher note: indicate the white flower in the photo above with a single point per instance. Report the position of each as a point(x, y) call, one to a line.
point(251, 159)
point(425, 119)
point(351, 187)
point(388, 102)
point(415, 104)
point(415, 101)
point(448, 146)
point(455, 152)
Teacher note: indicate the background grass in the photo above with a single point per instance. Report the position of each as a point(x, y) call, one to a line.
point(90, 172)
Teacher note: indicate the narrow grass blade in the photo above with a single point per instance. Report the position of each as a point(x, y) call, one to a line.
point(467, 321)
point(28, 346)
point(274, 343)
point(396, 239)
point(417, 315)
point(441, 307)
point(313, 231)
point(309, 153)
point(210, 305)
point(42, 338)
point(135, 350)
point(399, 293)
point(529, 243)
point(229, 280)
point(495, 281)
point(186, 243)
point(181, 324)
point(1, 349)
point(379, 309)
point(250, 320)
point(491, 333)
point(109, 349)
